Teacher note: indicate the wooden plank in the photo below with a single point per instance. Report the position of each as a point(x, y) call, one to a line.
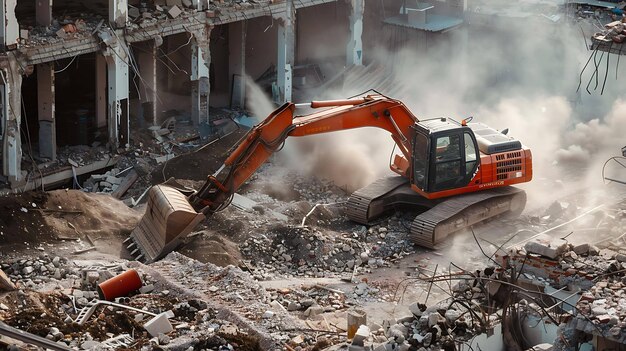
point(126, 183)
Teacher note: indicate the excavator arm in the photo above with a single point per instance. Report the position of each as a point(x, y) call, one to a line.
point(268, 136)
point(171, 214)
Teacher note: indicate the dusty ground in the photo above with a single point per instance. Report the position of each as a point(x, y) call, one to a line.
point(374, 268)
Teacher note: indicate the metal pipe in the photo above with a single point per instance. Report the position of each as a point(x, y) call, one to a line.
point(333, 103)
point(32, 339)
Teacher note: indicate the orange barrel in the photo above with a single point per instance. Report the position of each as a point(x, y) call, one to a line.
point(120, 285)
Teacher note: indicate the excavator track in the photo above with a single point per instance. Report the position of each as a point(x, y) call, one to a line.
point(451, 215)
point(440, 217)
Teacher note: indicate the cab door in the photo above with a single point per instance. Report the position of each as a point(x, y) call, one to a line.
point(454, 160)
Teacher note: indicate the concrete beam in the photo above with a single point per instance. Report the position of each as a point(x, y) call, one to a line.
point(9, 28)
point(46, 111)
point(69, 48)
point(117, 98)
point(286, 53)
point(200, 85)
point(237, 62)
point(118, 13)
point(355, 44)
point(147, 60)
point(43, 12)
point(11, 96)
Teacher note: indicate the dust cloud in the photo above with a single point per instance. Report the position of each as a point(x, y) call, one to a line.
point(523, 78)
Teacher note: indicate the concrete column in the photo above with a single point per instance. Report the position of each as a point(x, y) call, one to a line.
point(355, 44)
point(200, 85)
point(11, 96)
point(10, 30)
point(101, 91)
point(118, 13)
point(117, 98)
point(45, 99)
point(200, 4)
point(43, 12)
point(147, 60)
point(237, 62)
point(285, 60)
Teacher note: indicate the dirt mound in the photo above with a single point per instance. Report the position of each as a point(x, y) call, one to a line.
point(214, 249)
point(21, 218)
point(72, 213)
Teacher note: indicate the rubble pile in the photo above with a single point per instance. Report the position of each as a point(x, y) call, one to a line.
point(602, 310)
point(613, 32)
point(312, 252)
point(69, 26)
point(56, 298)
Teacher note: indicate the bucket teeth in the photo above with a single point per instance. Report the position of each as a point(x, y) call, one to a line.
point(128, 240)
point(140, 258)
point(132, 246)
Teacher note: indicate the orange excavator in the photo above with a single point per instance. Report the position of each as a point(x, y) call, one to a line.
point(457, 173)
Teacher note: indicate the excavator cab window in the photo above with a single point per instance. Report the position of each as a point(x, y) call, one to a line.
point(470, 154)
point(447, 162)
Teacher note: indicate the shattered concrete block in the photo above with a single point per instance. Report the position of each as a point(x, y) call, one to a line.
point(452, 315)
point(361, 335)
point(433, 319)
point(268, 315)
point(133, 12)
point(277, 306)
point(158, 324)
point(187, 3)
point(174, 11)
point(314, 311)
point(146, 289)
point(174, 2)
point(417, 309)
point(547, 246)
point(114, 180)
point(581, 249)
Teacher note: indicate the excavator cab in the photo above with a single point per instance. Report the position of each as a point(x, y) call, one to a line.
point(445, 155)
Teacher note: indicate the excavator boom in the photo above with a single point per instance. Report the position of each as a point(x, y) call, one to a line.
point(170, 215)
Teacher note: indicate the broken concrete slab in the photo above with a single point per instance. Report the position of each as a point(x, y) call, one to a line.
point(174, 11)
point(361, 335)
point(547, 246)
point(159, 324)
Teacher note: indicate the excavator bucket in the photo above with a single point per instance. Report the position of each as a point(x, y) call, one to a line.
point(168, 219)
